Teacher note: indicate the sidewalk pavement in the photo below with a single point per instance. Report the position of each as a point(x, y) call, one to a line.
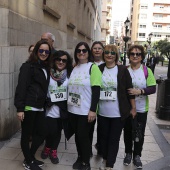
point(155, 155)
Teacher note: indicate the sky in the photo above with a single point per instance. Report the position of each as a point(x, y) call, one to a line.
point(120, 9)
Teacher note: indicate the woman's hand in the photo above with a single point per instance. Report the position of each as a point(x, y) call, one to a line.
point(91, 116)
point(134, 91)
point(133, 112)
point(20, 116)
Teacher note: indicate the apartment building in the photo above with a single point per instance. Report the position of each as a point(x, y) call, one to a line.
point(21, 23)
point(106, 21)
point(149, 16)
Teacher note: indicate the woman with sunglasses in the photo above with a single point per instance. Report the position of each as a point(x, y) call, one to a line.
point(143, 85)
point(97, 50)
point(30, 97)
point(56, 111)
point(115, 105)
point(83, 96)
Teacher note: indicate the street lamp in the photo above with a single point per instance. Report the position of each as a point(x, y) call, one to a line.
point(126, 38)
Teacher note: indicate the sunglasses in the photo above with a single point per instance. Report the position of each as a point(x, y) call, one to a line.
point(112, 52)
point(83, 50)
point(60, 59)
point(137, 54)
point(42, 50)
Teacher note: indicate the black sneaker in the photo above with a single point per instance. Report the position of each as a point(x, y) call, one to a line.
point(137, 162)
point(127, 159)
point(77, 164)
point(31, 166)
point(39, 163)
point(85, 167)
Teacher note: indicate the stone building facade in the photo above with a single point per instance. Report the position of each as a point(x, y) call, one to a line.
point(21, 23)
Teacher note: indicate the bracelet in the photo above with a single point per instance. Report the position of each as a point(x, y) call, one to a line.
point(141, 92)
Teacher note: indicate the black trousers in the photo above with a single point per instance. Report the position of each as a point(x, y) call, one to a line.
point(53, 137)
point(110, 132)
point(81, 128)
point(138, 146)
point(32, 125)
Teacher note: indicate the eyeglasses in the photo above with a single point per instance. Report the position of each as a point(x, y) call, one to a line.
point(83, 50)
point(98, 48)
point(137, 54)
point(60, 59)
point(42, 50)
point(112, 52)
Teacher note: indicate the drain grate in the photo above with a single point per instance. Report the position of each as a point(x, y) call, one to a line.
point(166, 127)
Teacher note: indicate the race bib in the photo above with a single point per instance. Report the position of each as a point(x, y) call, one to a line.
point(74, 99)
point(108, 94)
point(58, 95)
point(139, 97)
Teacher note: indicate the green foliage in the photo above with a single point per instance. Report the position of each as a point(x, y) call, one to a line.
point(164, 47)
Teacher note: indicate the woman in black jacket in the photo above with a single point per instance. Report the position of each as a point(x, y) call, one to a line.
point(30, 97)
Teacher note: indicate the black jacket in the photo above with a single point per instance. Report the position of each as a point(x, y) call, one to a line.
point(32, 86)
point(124, 82)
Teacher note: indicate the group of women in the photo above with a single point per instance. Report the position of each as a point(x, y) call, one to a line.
point(51, 95)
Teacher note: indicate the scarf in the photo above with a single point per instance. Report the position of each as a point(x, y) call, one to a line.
point(58, 76)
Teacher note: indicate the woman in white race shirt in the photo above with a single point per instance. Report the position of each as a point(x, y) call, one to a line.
point(115, 105)
point(144, 84)
point(56, 111)
point(83, 96)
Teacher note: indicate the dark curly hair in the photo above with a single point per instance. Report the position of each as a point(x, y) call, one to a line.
point(88, 49)
point(59, 54)
point(140, 47)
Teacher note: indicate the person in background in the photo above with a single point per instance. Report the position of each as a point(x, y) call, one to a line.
point(30, 97)
point(30, 49)
point(153, 62)
point(115, 105)
point(83, 96)
point(97, 50)
point(51, 39)
point(144, 84)
point(56, 111)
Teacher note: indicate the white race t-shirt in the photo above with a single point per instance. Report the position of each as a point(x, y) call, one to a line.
point(57, 93)
point(108, 103)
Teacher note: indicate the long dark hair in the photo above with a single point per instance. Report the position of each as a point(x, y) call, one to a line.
point(33, 58)
point(88, 49)
point(59, 54)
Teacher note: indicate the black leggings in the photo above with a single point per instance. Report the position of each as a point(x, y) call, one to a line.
point(141, 118)
point(81, 128)
point(110, 132)
point(32, 125)
point(54, 127)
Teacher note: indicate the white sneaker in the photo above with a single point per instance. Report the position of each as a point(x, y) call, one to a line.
point(103, 165)
point(108, 168)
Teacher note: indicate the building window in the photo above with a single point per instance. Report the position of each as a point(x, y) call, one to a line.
point(142, 26)
point(158, 16)
point(157, 26)
point(168, 27)
point(144, 6)
point(167, 36)
point(141, 35)
point(143, 16)
point(158, 35)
